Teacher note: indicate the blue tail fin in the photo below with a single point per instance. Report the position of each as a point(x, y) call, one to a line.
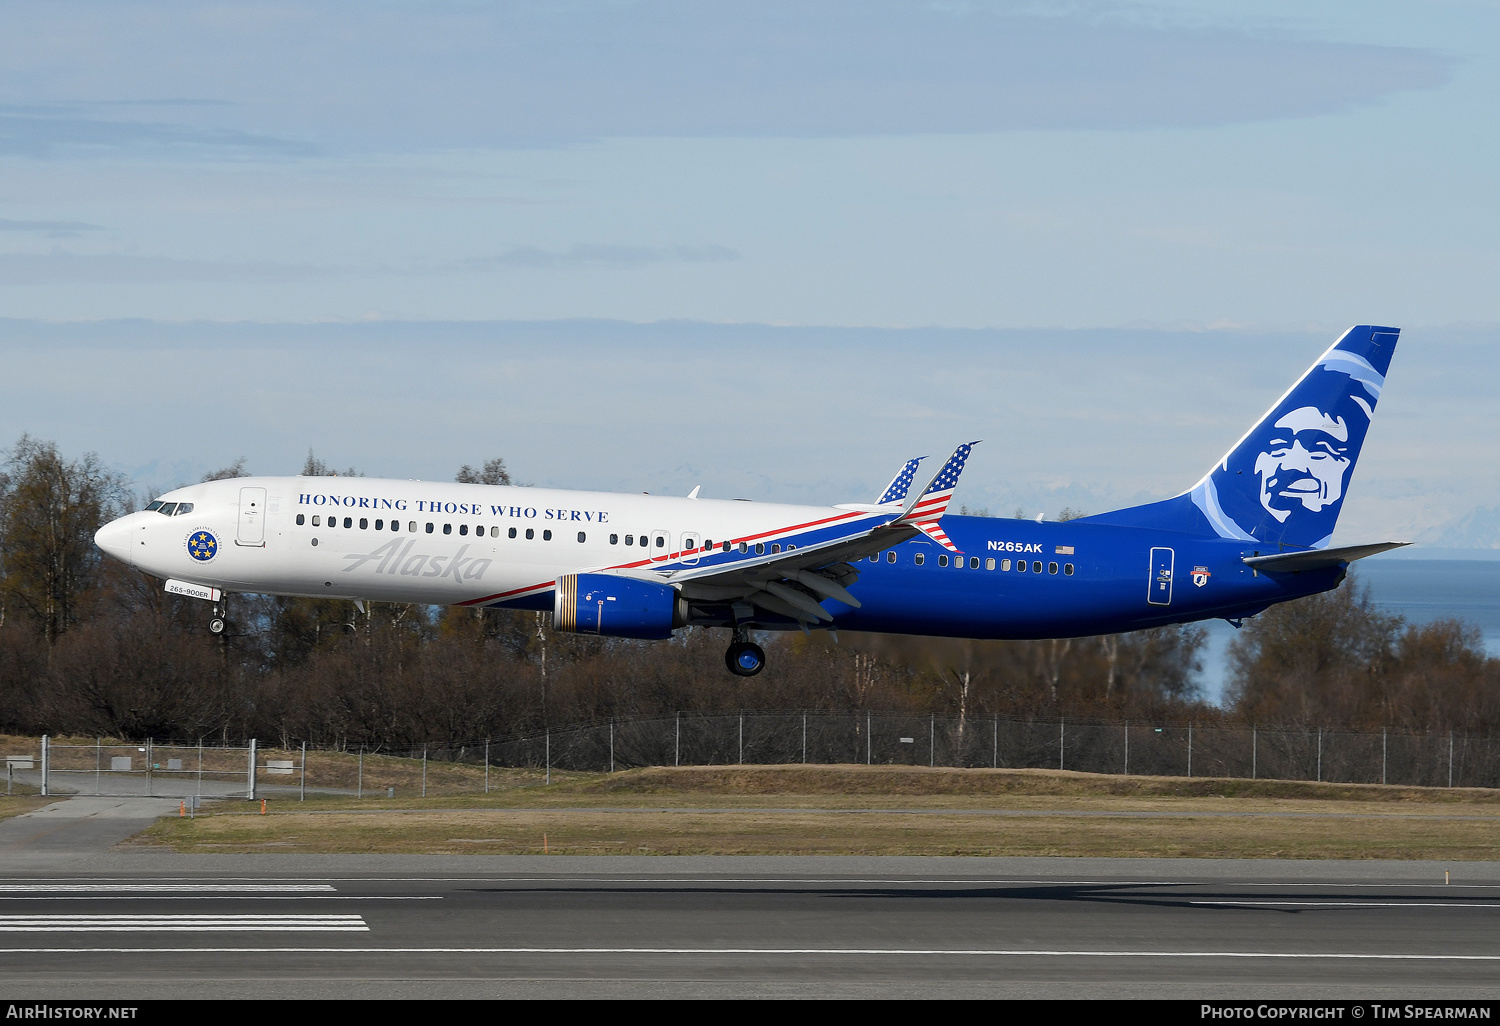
point(1284, 482)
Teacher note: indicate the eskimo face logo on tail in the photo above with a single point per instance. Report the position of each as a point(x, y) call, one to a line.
point(1286, 480)
point(1305, 462)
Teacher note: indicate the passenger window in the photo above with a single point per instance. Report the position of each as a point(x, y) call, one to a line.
point(726, 546)
point(890, 557)
point(447, 528)
point(1021, 565)
point(511, 533)
point(411, 526)
point(167, 509)
point(479, 530)
point(581, 537)
point(494, 532)
point(184, 507)
point(1036, 566)
point(688, 545)
point(919, 559)
point(348, 522)
point(364, 523)
point(395, 525)
point(614, 539)
point(546, 536)
point(744, 547)
point(463, 529)
point(942, 561)
point(152, 506)
point(301, 519)
point(661, 542)
point(1005, 564)
point(530, 534)
point(973, 562)
point(1068, 569)
point(630, 539)
point(760, 548)
point(380, 525)
point(1052, 568)
point(775, 550)
point(989, 564)
point(429, 527)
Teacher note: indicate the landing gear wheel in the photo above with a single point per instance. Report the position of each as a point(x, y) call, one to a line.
point(745, 659)
point(216, 625)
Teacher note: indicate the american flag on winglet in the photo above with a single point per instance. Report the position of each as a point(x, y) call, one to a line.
point(901, 483)
point(934, 501)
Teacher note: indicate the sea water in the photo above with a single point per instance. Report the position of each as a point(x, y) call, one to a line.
point(1418, 590)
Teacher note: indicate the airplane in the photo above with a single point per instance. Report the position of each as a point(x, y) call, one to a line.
point(1255, 530)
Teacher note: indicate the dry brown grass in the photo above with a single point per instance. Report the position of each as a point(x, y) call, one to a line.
point(874, 810)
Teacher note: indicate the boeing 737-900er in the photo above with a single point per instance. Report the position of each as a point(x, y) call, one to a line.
point(1254, 531)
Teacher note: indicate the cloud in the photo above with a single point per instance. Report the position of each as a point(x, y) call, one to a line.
point(584, 254)
point(347, 75)
point(117, 269)
point(51, 229)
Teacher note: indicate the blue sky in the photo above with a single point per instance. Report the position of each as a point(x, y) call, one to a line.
point(773, 248)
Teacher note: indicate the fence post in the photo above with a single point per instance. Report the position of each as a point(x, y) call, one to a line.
point(742, 738)
point(677, 743)
point(303, 797)
point(611, 744)
point(486, 765)
point(932, 741)
point(867, 737)
point(548, 751)
point(804, 742)
point(1254, 751)
point(200, 769)
point(250, 791)
point(1382, 754)
point(1450, 758)
point(45, 768)
point(359, 780)
point(150, 755)
point(99, 760)
point(424, 771)
point(1320, 755)
point(1061, 740)
point(1127, 748)
point(995, 758)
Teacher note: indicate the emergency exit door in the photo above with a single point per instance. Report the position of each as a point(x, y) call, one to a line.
point(1160, 593)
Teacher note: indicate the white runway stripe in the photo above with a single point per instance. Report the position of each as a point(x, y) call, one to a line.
point(797, 952)
point(165, 888)
point(179, 923)
point(1351, 904)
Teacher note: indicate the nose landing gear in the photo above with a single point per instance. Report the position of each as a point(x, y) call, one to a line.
point(216, 621)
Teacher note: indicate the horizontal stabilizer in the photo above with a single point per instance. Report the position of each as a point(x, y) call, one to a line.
point(1317, 559)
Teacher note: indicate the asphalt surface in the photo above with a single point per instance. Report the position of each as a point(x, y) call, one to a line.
point(79, 918)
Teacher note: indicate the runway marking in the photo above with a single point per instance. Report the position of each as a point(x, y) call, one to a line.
point(1352, 904)
point(800, 952)
point(167, 888)
point(223, 897)
point(179, 923)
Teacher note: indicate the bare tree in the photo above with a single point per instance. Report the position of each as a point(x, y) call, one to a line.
point(235, 469)
point(492, 473)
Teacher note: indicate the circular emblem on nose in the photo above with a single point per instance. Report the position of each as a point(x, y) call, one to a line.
point(202, 546)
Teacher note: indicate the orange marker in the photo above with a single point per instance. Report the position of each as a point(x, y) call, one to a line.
point(262, 806)
point(544, 844)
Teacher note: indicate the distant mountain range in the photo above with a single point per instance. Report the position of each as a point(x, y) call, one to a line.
point(1479, 529)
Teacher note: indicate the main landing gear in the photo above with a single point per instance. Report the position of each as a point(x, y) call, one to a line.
point(744, 657)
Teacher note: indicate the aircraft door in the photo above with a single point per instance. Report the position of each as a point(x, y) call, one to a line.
point(1160, 593)
point(252, 526)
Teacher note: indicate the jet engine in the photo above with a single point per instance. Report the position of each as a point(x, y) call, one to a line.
point(618, 607)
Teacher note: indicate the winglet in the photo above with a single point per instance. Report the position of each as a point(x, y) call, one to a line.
point(900, 484)
point(928, 508)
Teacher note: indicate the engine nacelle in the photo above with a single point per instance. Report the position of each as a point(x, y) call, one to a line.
point(618, 607)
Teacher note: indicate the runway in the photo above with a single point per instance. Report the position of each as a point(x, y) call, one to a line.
point(121, 924)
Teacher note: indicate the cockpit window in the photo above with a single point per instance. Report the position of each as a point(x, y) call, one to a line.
point(154, 506)
point(183, 507)
point(167, 508)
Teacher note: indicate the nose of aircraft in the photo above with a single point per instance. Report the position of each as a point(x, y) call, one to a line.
point(114, 539)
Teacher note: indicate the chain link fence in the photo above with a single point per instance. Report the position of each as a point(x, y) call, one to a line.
point(885, 739)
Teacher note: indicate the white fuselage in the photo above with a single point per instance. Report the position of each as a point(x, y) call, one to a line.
point(427, 542)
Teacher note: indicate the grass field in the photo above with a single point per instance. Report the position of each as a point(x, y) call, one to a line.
point(864, 810)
